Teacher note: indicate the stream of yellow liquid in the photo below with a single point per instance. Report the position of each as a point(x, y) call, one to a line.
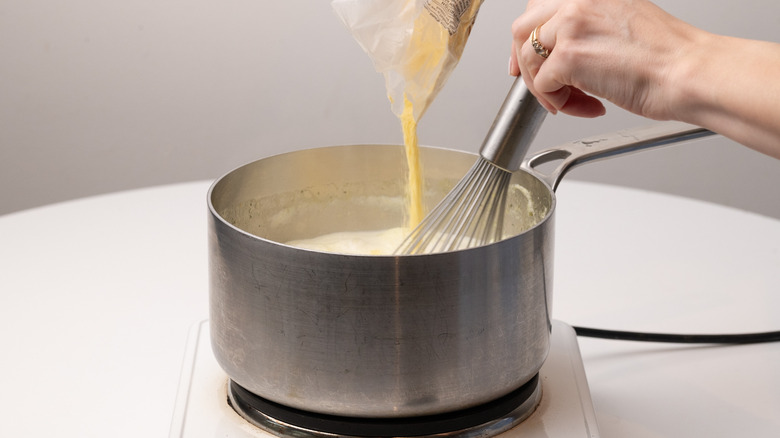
point(431, 55)
point(414, 184)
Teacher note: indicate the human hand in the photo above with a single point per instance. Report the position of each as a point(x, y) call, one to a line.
point(624, 51)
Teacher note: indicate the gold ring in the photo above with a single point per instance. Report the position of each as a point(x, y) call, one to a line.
point(538, 47)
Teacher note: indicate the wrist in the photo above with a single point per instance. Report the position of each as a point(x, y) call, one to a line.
point(691, 86)
point(729, 85)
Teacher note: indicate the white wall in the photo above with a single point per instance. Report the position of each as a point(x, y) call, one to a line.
point(99, 96)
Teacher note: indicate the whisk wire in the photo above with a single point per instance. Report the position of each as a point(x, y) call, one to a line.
point(473, 213)
point(470, 215)
point(468, 207)
point(440, 216)
point(489, 227)
point(437, 225)
point(473, 220)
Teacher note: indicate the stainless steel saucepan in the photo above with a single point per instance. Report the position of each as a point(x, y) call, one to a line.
point(384, 336)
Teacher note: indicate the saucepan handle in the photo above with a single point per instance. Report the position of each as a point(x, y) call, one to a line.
point(606, 146)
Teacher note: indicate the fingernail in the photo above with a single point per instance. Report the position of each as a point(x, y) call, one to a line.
point(549, 107)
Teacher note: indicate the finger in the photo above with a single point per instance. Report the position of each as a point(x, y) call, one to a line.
point(581, 104)
point(552, 79)
point(528, 72)
point(552, 86)
point(524, 25)
point(534, 15)
point(553, 82)
point(536, 50)
point(530, 63)
point(514, 68)
point(549, 79)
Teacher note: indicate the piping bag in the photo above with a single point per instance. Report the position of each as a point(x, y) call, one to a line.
point(416, 45)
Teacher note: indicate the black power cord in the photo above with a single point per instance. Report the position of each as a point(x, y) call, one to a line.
point(740, 338)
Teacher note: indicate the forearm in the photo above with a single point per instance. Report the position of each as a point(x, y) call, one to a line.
point(731, 86)
point(646, 61)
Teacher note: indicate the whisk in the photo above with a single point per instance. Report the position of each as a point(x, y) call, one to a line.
point(472, 213)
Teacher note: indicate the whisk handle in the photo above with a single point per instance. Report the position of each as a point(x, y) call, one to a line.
point(514, 128)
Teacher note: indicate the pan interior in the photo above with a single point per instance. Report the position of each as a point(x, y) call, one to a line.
point(310, 193)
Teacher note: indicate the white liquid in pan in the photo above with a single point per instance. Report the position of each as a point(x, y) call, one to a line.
point(385, 242)
point(380, 242)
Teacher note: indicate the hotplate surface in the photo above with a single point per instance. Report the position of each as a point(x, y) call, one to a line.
point(565, 409)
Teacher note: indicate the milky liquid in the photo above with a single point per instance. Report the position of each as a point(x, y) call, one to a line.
point(379, 242)
point(523, 213)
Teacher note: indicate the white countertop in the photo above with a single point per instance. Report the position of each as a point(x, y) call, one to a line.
point(97, 297)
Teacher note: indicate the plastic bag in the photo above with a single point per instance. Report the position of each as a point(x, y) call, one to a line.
point(415, 44)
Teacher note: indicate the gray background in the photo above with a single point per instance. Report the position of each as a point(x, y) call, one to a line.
point(100, 96)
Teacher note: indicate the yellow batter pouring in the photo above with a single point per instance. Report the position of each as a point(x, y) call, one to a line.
point(439, 36)
point(414, 183)
point(415, 44)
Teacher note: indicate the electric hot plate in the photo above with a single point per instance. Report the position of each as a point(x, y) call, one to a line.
point(555, 404)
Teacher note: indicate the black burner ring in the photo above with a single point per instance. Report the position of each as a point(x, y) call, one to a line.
point(504, 412)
